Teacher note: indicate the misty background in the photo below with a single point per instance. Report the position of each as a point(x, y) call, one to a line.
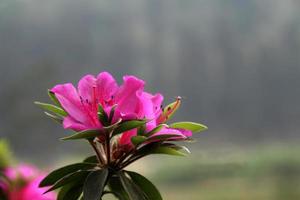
point(235, 63)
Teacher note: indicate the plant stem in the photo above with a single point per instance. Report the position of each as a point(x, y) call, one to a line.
point(98, 154)
point(108, 148)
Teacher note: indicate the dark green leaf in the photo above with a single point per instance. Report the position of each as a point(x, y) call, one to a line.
point(134, 192)
point(116, 186)
point(112, 113)
point(149, 189)
point(91, 159)
point(141, 130)
point(53, 98)
point(56, 175)
point(156, 129)
point(71, 191)
point(128, 125)
point(77, 177)
point(52, 108)
point(89, 134)
point(136, 140)
point(102, 116)
point(94, 184)
point(113, 126)
point(192, 126)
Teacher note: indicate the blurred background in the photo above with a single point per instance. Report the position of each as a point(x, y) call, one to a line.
point(236, 64)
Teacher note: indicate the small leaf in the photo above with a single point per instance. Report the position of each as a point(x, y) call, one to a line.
point(52, 108)
point(156, 129)
point(71, 191)
point(94, 184)
point(128, 125)
point(149, 189)
point(112, 113)
point(192, 126)
point(89, 134)
point(102, 116)
point(91, 159)
point(136, 140)
point(57, 174)
point(54, 117)
point(134, 192)
point(78, 177)
point(53, 98)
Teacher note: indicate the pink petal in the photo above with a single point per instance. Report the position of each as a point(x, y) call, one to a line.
point(125, 138)
point(22, 171)
point(70, 101)
point(126, 97)
point(33, 192)
point(182, 134)
point(107, 86)
point(86, 87)
point(70, 123)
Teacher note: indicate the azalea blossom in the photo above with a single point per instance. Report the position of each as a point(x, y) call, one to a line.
point(24, 181)
point(129, 100)
point(122, 123)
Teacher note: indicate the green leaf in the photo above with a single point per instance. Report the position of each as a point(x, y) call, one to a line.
point(167, 150)
point(89, 134)
point(156, 129)
point(134, 192)
point(192, 126)
point(156, 148)
point(78, 177)
point(71, 191)
point(91, 159)
point(112, 113)
point(141, 130)
point(116, 186)
point(54, 117)
point(149, 189)
point(128, 125)
point(52, 108)
point(94, 184)
point(102, 116)
point(53, 98)
point(113, 126)
point(57, 174)
point(136, 140)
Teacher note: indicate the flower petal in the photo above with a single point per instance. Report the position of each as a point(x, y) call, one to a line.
point(70, 101)
point(182, 134)
point(126, 97)
point(70, 123)
point(87, 88)
point(107, 87)
point(125, 138)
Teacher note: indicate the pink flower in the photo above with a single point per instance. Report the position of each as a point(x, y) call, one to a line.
point(23, 171)
point(130, 101)
point(31, 191)
point(25, 180)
